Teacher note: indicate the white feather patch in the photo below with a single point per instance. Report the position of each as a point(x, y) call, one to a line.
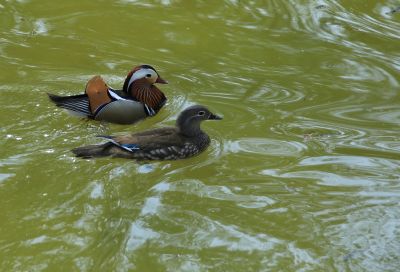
point(141, 73)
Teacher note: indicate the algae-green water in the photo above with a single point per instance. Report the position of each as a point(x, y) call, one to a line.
point(302, 174)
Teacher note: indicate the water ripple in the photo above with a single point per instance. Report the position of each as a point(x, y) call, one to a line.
point(307, 153)
point(199, 189)
point(265, 146)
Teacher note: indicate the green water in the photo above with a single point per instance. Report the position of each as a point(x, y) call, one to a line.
point(303, 173)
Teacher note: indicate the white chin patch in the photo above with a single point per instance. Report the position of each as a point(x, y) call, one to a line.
point(141, 73)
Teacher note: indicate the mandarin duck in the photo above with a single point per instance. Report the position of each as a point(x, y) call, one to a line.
point(138, 99)
point(184, 140)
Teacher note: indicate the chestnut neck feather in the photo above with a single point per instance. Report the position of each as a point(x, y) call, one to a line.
point(148, 94)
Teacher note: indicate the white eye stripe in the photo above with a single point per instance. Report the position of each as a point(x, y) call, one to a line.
point(141, 73)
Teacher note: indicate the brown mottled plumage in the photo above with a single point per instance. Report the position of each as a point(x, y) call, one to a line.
point(184, 140)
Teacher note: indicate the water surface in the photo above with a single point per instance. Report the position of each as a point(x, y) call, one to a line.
point(302, 174)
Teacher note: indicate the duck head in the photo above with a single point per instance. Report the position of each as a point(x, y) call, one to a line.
point(189, 120)
point(139, 84)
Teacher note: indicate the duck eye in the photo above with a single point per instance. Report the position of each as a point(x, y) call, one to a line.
point(148, 75)
point(201, 113)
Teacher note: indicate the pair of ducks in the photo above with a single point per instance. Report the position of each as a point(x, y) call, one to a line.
point(138, 99)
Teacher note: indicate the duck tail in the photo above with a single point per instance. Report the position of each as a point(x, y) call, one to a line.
point(93, 151)
point(75, 103)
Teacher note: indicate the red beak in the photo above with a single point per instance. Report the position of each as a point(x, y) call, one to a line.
point(161, 81)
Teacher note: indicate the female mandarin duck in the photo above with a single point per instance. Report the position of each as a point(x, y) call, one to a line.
point(138, 99)
point(184, 140)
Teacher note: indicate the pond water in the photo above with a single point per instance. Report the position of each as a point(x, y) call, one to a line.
point(303, 173)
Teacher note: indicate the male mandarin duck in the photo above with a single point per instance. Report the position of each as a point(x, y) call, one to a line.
point(138, 98)
point(184, 140)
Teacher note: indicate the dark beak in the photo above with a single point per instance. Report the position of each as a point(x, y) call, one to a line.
point(214, 117)
point(161, 81)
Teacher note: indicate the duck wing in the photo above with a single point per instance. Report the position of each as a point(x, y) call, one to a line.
point(152, 141)
point(96, 94)
point(75, 103)
point(156, 144)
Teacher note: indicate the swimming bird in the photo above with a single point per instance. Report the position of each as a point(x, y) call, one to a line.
point(138, 99)
point(184, 140)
